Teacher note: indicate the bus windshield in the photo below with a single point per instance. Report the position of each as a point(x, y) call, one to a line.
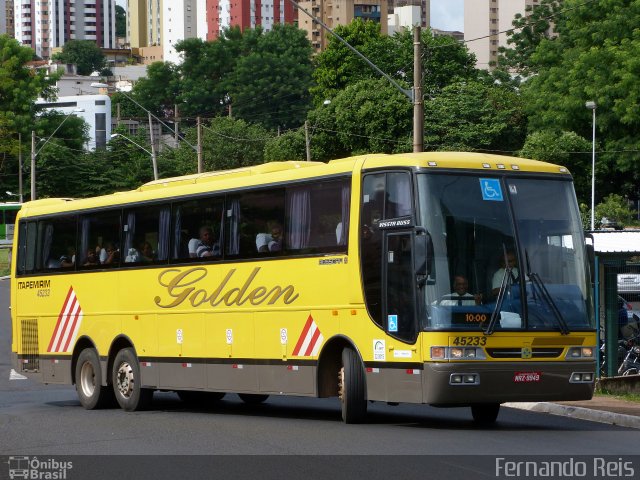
point(508, 254)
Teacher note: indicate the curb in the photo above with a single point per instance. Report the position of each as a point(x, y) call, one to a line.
point(581, 413)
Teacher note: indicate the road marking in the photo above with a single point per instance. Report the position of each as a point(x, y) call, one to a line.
point(16, 376)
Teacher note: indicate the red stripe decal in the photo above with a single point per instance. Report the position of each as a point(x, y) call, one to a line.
point(55, 330)
point(303, 335)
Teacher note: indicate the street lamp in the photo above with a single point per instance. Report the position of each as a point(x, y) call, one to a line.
point(34, 154)
point(153, 157)
point(591, 105)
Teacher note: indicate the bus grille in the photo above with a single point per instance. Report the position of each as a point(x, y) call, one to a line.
point(30, 356)
point(517, 352)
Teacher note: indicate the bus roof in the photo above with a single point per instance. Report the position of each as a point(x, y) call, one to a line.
point(281, 172)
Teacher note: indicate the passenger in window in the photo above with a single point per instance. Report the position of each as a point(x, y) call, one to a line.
point(69, 259)
point(147, 255)
point(113, 254)
point(207, 246)
point(92, 258)
point(192, 246)
point(270, 242)
point(496, 280)
point(460, 294)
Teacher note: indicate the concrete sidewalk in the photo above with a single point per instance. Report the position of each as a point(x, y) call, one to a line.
point(601, 408)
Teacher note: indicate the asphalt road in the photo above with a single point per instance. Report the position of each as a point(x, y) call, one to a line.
point(48, 420)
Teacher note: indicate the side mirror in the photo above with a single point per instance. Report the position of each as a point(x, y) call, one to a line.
point(423, 256)
point(591, 256)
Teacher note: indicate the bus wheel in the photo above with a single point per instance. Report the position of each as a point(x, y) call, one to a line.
point(91, 393)
point(485, 413)
point(351, 388)
point(253, 398)
point(126, 382)
point(199, 398)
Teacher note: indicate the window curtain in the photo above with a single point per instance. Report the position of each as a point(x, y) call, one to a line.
point(346, 199)
point(46, 244)
point(164, 226)
point(177, 233)
point(130, 232)
point(299, 218)
point(85, 227)
point(233, 247)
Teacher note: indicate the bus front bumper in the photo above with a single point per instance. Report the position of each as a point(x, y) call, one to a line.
point(463, 383)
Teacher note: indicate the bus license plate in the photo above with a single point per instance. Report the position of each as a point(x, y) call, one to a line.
point(526, 377)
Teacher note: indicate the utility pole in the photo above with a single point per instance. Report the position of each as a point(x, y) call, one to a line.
point(176, 122)
point(307, 140)
point(418, 102)
point(118, 114)
point(154, 160)
point(33, 164)
point(20, 168)
point(200, 162)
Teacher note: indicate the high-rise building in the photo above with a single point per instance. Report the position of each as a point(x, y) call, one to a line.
point(46, 25)
point(223, 14)
point(483, 22)
point(6, 18)
point(137, 23)
point(424, 5)
point(339, 12)
point(182, 20)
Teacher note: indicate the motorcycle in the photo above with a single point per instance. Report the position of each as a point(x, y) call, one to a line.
point(631, 363)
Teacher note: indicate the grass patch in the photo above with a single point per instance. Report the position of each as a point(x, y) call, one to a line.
point(4, 262)
point(629, 397)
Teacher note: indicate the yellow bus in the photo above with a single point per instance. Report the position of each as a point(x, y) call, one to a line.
point(449, 279)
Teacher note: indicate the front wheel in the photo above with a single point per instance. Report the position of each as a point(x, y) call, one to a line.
point(91, 393)
point(485, 413)
point(630, 371)
point(351, 388)
point(126, 382)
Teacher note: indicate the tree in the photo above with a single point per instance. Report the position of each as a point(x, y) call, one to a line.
point(226, 143)
point(595, 57)
point(564, 148)
point(19, 88)
point(475, 116)
point(288, 146)
point(85, 54)
point(159, 90)
point(121, 22)
point(614, 208)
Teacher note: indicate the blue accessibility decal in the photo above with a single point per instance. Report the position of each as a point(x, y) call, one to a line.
point(393, 323)
point(491, 189)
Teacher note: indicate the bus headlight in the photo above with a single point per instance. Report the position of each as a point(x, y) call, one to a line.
point(580, 353)
point(457, 353)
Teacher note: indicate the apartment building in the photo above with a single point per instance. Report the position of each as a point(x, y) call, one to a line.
point(223, 14)
point(424, 7)
point(47, 25)
point(483, 22)
point(6, 18)
point(339, 12)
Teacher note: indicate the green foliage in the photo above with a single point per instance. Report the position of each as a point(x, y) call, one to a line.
point(563, 148)
point(614, 207)
point(288, 146)
point(475, 116)
point(121, 22)
point(158, 91)
point(226, 143)
point(444, 60)
point(85, 54)
point(595, 57)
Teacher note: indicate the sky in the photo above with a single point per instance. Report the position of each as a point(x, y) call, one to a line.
point(447, 14)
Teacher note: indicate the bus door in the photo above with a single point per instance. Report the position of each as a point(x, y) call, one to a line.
point(399, 280)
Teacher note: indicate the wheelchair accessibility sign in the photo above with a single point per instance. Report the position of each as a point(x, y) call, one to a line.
point(491, 189)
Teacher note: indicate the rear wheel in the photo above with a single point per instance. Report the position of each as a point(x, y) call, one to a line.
point(253, 398)
point(485, 413)
point(630, 371)
point(351, 388)
point(91, 393)
point(126, 382)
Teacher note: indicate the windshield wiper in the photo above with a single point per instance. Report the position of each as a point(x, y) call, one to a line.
point(506, 281)
point(544, 294)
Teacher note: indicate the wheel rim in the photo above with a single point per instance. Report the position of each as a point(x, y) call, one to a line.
point(341, 385)
point(87, 379)
point(125, 379)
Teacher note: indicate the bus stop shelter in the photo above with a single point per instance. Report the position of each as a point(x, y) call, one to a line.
point(615, 253)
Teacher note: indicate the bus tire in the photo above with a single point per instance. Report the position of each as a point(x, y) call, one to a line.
point(126, 382)
point(91, 393)
point(253, 398)
point(351, 388)
point(199, 398)
point(485, 413)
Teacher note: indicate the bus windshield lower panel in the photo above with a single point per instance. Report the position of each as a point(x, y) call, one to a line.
point(508, 254)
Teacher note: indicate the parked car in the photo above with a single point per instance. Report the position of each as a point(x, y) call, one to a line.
point(631, 313)
point(629, 282)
